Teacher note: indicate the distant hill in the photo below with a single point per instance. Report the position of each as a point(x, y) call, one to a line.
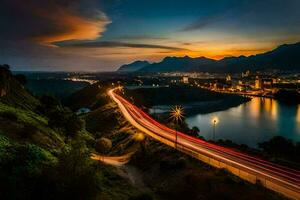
point(284, 57)
point(135, 66)
point(54, 87)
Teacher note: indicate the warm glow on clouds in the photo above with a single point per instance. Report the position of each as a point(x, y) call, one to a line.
point(51, 21)
point(74, 34)
point(76, 28)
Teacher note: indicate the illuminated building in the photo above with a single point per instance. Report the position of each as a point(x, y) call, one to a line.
point(228, 78)
point(185, 79)
point(246, 74)
point(258, 83)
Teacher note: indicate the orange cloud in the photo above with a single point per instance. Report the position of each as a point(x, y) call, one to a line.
point(75, 28)
point(50, 21)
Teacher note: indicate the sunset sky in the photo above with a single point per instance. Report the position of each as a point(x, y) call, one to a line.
point(101, 35)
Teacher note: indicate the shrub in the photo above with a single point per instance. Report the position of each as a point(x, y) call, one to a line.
point(73, 126)
point(29, 130)
point(143, 196)
point(103, 145)
point(21, 79)
point(9, 115)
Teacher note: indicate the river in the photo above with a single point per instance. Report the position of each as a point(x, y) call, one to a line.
point(250, 123)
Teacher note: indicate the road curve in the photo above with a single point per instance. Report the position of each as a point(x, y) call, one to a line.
point(283, 176)
point(112, 160)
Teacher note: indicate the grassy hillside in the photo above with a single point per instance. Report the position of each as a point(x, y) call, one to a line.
point(13, 93)
point(45, 151)
point(56, 87)
point(92, 96)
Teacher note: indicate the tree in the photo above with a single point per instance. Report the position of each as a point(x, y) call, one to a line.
point(29, 130)
point(195, 131)
point(49, 101)
point(103, 145)
point(58, 119)
point(73, 126)
point(6, 66)
point(278, 145)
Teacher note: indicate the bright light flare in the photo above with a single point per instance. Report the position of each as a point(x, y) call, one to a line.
point(120, 88)
point(215, 120)
point(139, 136)
point(177, 113)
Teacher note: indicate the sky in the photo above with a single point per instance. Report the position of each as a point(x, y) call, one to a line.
point(101, 35)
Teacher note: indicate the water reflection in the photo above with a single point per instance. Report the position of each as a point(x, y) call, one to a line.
point(252, 122)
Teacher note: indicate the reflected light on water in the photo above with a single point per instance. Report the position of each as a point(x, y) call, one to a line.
point(255, 107)
point(259, 106)
point(271, 108)
point(298, 115)
point(255, 121)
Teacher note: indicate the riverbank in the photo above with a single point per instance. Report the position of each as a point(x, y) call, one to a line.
point(193, 100)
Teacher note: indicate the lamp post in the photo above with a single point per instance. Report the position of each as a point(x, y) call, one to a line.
point(177, 116)
point(214, 121)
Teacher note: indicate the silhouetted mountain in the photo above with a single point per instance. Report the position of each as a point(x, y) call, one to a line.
point(179, 64)
point(135, 66)
point(284, 57)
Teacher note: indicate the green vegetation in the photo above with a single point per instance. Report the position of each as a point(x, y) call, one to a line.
point(278, 150)
point(103, 145)
point(45, 151)
point(45, 154)
point(281, 150)
point(56, 87)
point(13, 93)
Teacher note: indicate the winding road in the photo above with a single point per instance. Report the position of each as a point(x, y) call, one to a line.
point(276, 177)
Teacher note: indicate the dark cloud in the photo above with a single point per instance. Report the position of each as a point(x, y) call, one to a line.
point(202, 23)
point(116, 44)
point(50, 21)
point(253, 16)
point(141, 37)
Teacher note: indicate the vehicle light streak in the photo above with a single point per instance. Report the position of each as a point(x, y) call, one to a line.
point(286, 177)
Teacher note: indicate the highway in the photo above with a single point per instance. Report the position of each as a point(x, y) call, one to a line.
point(283, 177)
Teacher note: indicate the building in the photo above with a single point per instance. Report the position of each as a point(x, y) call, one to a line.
point(245, 74)
point(267, 83)
point(228, 78)
point(185, 79)
point(258, 83)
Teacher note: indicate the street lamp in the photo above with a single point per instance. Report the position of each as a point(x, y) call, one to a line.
point(177, 116)
point(214, 121)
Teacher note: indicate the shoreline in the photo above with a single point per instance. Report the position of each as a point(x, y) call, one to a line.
point(201, 107)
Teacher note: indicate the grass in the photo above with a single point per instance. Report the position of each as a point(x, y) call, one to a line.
point(28, 118)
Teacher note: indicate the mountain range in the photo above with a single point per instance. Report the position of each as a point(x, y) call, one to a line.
point(284, 57)
point(135, 66)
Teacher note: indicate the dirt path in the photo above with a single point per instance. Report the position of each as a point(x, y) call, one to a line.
point(129, 172)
